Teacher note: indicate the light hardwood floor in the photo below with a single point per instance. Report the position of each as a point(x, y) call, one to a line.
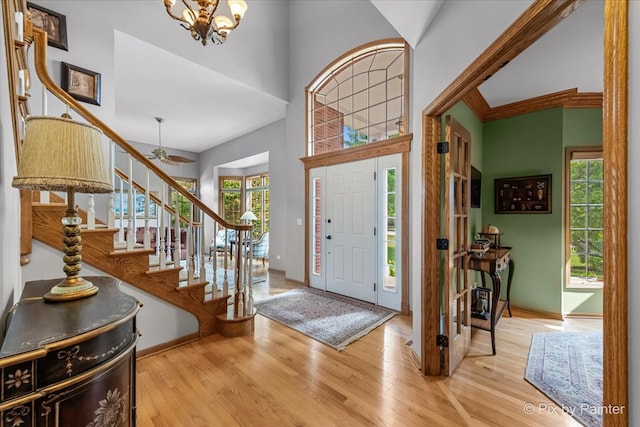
point(279, 377)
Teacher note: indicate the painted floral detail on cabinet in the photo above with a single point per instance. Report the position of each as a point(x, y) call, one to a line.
point(112, 410)
point(18, 378)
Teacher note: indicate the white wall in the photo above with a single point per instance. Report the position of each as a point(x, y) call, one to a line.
point(319, 32)
point(252, 57)
point(10, 274)
point(270, 138)
point(634, 213)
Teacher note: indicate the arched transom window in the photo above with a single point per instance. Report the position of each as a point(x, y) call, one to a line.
point(359, 98)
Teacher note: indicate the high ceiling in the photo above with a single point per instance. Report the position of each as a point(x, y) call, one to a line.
point(151, 81)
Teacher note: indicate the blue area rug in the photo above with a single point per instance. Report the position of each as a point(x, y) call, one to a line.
point(567, 367)
point(332, 319)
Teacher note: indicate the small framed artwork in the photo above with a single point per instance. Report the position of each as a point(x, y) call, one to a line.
point(527, 194)
point(55, 24)
point(80, 83)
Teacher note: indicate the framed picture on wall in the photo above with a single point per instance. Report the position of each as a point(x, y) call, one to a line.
point(80, 83)
point(54, 23)
point(527, 194)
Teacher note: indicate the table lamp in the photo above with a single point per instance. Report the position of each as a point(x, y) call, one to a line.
point(59, 154)
point(248, 216)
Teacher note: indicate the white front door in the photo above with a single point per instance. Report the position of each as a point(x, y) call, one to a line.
point(350, 229)
point(355, 229)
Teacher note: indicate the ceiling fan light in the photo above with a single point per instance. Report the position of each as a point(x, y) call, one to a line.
point(238, 7)
point(223, 24)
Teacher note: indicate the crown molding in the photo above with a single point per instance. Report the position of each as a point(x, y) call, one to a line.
point(569, 98)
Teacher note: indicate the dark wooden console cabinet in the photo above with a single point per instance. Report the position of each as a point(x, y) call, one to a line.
point(70, 363)
point(493, 262)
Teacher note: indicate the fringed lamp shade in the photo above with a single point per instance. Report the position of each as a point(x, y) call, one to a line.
point(59, 154)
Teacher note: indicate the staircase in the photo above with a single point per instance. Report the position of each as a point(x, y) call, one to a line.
point(132, 267)
point(104, 244)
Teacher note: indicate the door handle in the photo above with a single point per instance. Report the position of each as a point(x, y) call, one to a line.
point(329, 237)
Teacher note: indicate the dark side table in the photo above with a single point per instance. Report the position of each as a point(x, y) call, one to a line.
point(493, 262)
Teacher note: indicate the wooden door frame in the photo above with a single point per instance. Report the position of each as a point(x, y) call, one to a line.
point(539, 18)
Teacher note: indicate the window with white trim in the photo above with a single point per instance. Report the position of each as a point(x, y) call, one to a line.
point(586, 220)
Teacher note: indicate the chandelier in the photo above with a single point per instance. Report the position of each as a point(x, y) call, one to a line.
point(202, 24)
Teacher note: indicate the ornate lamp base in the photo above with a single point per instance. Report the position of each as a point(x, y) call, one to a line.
point(71, 289)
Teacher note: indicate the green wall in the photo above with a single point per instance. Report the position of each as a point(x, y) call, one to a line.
point(582, 128)
point(532, 144)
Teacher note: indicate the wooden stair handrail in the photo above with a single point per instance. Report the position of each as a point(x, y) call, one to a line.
point(40, 57)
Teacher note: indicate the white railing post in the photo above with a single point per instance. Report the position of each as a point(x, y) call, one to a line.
point(131, 226)
point(91, 212)
point(239, 276)
point(203, 270)
point(147, 234)
point(225, 280)
point(44, 100)
point(177, 251)
point(249, 293)
point(213, 255)
point(160, 233)
point(111, 214)
point(190, 246)
point(190, 261)
point(121, 216)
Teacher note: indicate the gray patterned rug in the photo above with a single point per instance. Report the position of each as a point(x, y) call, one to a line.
point(326, 317)
point(567, 367)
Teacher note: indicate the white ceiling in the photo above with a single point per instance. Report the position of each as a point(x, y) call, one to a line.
point(569, 56)
point(203, 108)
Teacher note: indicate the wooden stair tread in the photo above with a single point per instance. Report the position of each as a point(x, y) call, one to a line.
point(124, 252)
point(98, 227)
point(123, 245)
point(165, 270)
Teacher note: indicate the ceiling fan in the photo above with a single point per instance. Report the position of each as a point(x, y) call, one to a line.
point(160, 154)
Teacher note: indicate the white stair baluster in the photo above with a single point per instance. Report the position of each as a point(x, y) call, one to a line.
point(147, 235)
point(160, 235)
point(203, 270)
point(120, 238)
point(225, 280)
point(177, 252)
point(91, 212)
point(131, 227)
point(111, 214)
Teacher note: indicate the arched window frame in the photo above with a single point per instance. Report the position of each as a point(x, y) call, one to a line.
point(392, 101)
